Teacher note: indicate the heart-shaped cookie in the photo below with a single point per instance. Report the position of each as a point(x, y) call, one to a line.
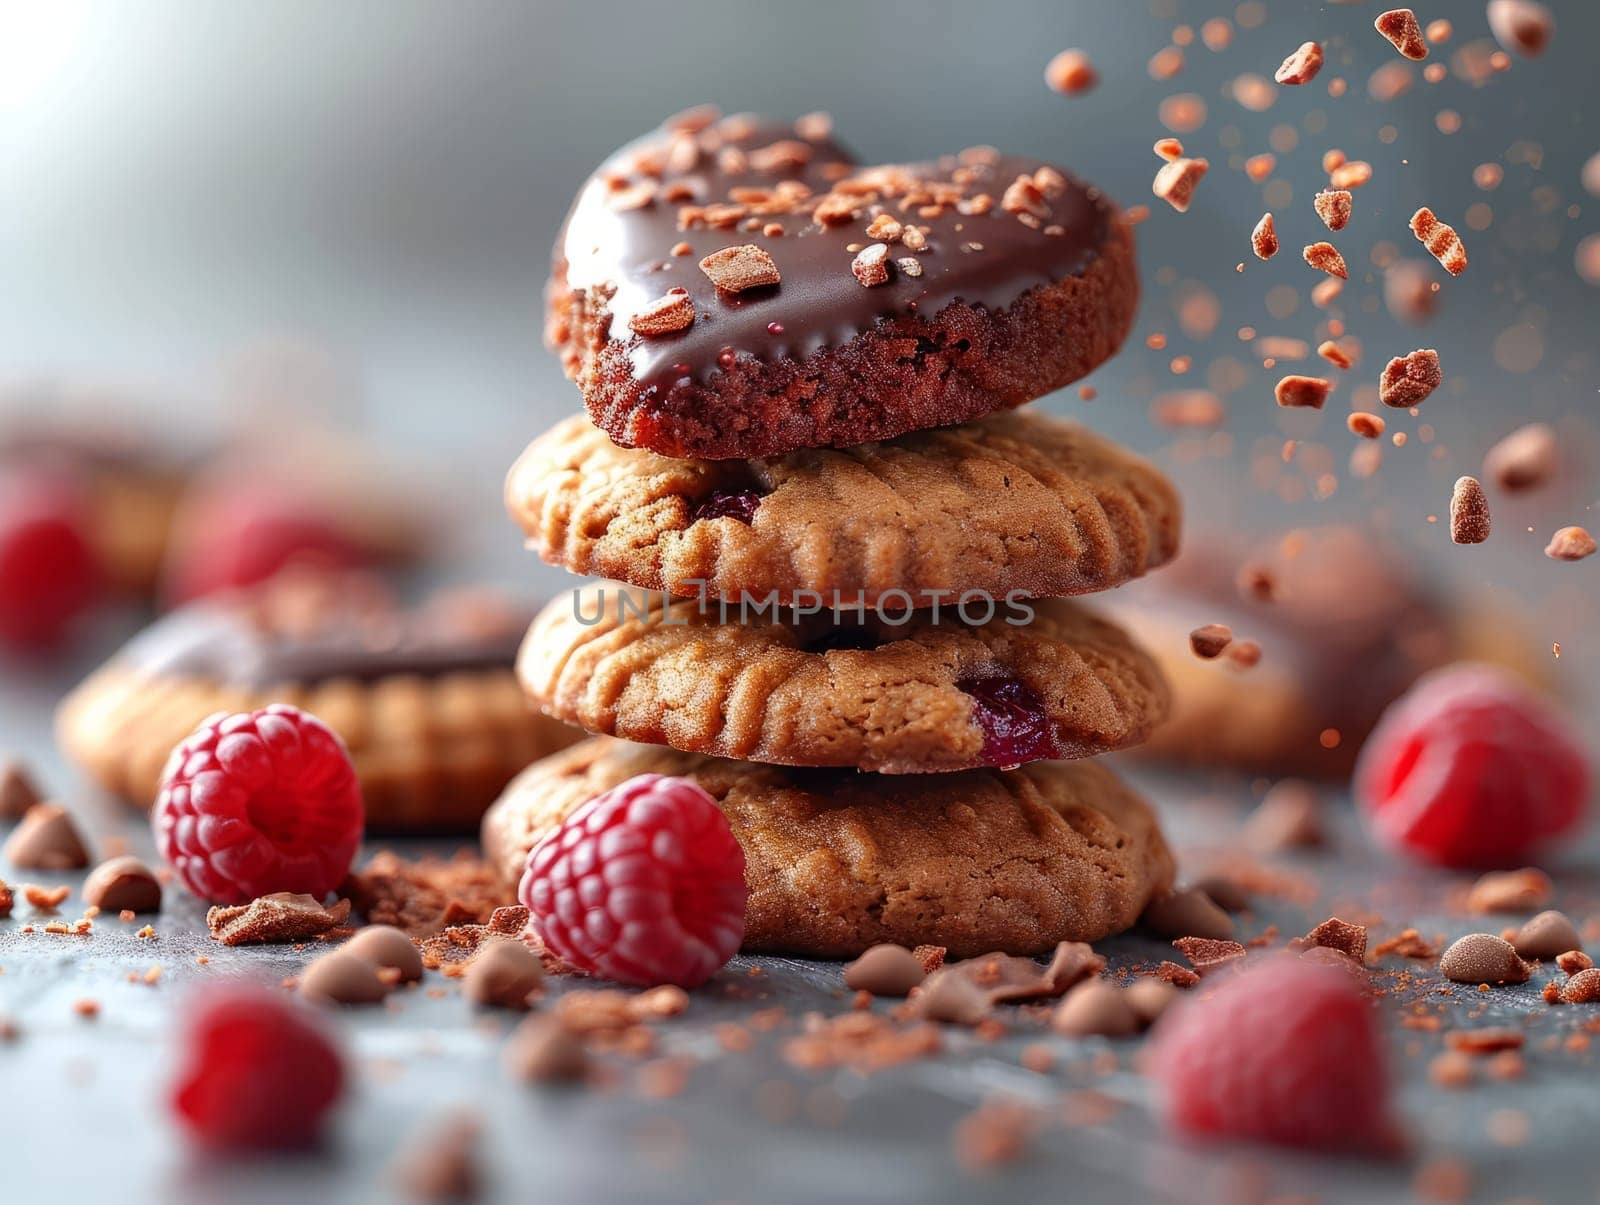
point(737, 288)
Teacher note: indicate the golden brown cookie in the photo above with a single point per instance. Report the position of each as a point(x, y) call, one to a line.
point(742, 288)
point(837, 861)
point(426, 701)
point(1013, 502)
point(899, 693)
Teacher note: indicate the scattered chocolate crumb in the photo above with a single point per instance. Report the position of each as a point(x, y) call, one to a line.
point(422, 897)
point(1570, 544)
point(439, 1163)
point(1343, 936)
point(1408, 943)
point(1071, 73)
point(1573, 961)
point(1243, 654)
point(998, 1132)
point(738, 269)
point(1511, 891)
point(1453, 1070)
point(1354, 174)
point(663, 316)
point(1296, 390)
point(283, 916)
point(871, 265)
point(1523, 460)
point(1208, 954)
point(1336, 354)
point(1521, 25)
point(1399, 25)
point(1490, 1040)
point(1178, 976)
point(1264, 238)
point(864, 1042)
point(1175, 182)
point(1302, 66)
point(1582, 988)
point(1149, 998)
point(1333, 207)
point(44, 899)
point(1168, 148)
point(88, 1009)
point(1440, 240)
point(1483, 958)
point(1367, 426)
point(1469, 512)
point(1408, 380)
point(1325, 257)
point(1208, 640)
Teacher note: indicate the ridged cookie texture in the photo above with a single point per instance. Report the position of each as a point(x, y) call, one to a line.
point(1018, 501)
point(837, 861)
point(932, 693)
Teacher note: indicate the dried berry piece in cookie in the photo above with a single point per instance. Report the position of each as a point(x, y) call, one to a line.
point(927, 692)
point(1013, 502)
point(837, 861)
point(1019, 280)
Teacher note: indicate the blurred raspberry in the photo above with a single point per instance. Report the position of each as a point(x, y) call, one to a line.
point(1471, 768)
point(643, 885)
point(1287, 1052)
point(257, 1072)
point(259, 802)
point(244, 535)
point(49, 573)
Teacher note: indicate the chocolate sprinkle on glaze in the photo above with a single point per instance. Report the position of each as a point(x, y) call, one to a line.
point(988, 234)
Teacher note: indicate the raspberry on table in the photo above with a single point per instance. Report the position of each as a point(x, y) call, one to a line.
point(257, 1072)
point(1287, 1052)
point(259, 802)
point(1471, 768)
point(49, 572)
point(643, 884)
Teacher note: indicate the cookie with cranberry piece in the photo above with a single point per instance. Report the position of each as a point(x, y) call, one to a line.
point(900, 693)
point(741, 287)
point(837, 861)
point(1018, 501)
point(425, 699)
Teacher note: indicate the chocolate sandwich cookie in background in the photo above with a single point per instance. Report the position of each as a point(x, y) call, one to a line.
point(899, 693)
point(740, 287)
point(837, 862)
point(1017, 501)
point(425, 699)
point(1344, 625)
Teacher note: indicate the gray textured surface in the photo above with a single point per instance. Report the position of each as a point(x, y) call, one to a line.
point(87, 1119)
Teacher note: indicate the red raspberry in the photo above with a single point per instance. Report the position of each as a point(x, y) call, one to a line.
point(257, 1072)
point(49, 574)
point(259, 802)
point(1471, 768)
point(245, 536)
point(642, 885)
point(1286, 1052)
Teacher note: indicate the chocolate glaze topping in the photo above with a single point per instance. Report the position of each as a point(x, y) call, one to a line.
point(991, 227)
point(223, 642)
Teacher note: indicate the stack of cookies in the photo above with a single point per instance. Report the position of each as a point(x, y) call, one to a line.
point(841, 558)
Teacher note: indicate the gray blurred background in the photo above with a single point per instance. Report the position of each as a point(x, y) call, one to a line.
point(372, 187)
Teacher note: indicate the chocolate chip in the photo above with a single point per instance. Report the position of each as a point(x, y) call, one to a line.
point(542, 1050)
point(503, 975)
point(1149, 998)
point(886, 970)
point(343, 979)
point(1483, 958)
point(386, 946)
point(1547, 936)
point(952, 997)
point(1290, 817)
point(17, 790)
point(122, 884)
point(1511, 891)
point(440, 1162)
point(283, 916)
point(46, 839)
point(1187, 913)
point(1095, 1007)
